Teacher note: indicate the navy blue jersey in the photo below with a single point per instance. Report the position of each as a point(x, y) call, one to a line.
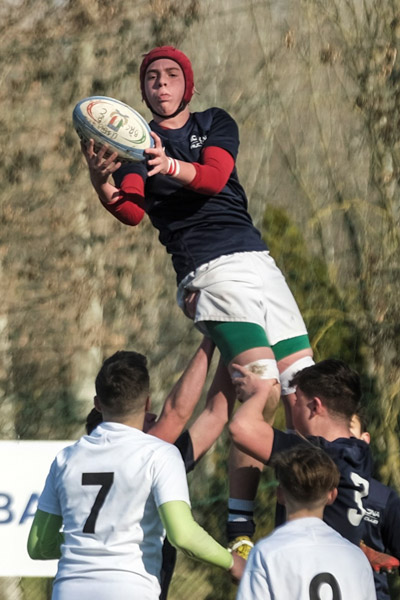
point(381, 528)
point(352, 456)
point(185, 447)
point(196, 228)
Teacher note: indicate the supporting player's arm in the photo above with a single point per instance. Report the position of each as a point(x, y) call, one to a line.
point(185, 534)
point(249, 430)
point(184, 396)
point(45, 537)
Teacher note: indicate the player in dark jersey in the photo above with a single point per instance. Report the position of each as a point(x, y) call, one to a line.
point(327, 395)
point(190, 190)
point(381, 522)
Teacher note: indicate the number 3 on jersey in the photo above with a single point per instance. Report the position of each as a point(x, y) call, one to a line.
point(105, 480)
point(355, 515)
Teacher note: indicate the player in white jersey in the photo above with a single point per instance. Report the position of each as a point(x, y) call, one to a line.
point(113, 493)
point(305, 559)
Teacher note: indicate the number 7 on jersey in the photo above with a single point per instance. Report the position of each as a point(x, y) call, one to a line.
point(105, 480)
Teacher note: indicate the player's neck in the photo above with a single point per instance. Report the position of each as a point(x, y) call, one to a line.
point(303, 513)
point(298, 509)
point(334, 433)
point(176, 122)
point(330, 429)
point(135, 420)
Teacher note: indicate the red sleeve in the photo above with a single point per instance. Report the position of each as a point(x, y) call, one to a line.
point(128, 207)
point(213, 172)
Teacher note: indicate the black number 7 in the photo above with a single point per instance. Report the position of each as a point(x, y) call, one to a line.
point(105, 480)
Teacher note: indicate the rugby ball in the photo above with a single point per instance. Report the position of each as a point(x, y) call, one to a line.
point(109, 121)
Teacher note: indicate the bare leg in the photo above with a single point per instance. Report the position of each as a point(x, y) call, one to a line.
point(245, 471)
point(244, 474)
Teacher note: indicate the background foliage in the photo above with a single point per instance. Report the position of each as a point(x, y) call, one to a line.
point(314, 86)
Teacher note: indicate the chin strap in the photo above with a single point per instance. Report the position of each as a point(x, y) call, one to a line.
point(178, 110)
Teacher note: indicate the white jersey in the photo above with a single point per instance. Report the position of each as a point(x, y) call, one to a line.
point(107, 487)
point(305, 559)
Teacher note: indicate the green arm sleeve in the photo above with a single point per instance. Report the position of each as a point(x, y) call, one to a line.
point(185, 534)
point(45, 537)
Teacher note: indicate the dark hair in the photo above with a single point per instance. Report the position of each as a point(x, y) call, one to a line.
point(122, 384)
point(93, 419)
point(334, 382)
point(306, 472)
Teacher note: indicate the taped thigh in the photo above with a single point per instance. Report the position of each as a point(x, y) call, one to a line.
point(287, 375)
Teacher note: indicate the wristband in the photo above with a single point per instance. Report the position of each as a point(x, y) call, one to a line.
point(174, 167)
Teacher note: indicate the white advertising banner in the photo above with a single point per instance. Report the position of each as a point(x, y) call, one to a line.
point(23, 470)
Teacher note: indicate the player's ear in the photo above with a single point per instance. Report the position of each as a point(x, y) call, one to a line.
point(366, 437)
point(332, 495)
point(96, 403)
point(317, 408)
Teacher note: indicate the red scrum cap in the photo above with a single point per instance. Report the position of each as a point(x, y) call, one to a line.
point(177, 56)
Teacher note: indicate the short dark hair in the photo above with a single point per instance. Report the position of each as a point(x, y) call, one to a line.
point(122, 384)
point(306, 472)
point(334, 382)
point(93, 419)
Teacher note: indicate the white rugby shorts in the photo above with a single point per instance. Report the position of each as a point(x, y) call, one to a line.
point(244, 287)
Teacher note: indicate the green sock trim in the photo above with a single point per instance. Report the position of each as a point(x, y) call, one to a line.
point(287, 347)
point(232, 338)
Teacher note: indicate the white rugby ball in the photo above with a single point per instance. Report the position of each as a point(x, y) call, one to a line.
point(109, 121)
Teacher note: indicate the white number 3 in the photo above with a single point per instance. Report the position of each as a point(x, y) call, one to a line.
point(355, 515)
